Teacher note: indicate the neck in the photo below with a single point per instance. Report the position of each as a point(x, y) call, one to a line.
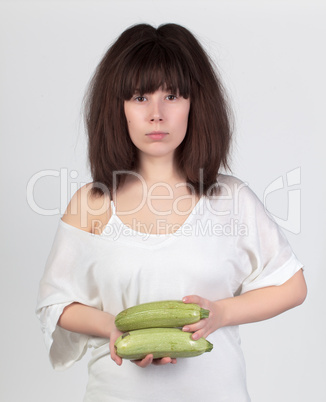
point(159, 170)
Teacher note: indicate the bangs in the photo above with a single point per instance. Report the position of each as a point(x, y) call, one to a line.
point(150, 67)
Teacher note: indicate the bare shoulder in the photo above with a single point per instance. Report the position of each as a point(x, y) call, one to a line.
point(86, 211)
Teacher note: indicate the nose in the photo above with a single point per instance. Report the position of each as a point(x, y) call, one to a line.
point(156, 118)
point(156, 112)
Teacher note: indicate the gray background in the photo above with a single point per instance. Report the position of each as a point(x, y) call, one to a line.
point(272, 59)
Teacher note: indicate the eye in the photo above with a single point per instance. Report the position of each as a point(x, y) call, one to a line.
point(139, 99)
point(171, 97)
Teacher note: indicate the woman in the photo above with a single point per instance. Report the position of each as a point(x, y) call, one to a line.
point(158, 222)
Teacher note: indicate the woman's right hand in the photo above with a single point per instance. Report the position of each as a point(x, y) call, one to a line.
point(83, 319)
point(158, 362)
point(115, 333)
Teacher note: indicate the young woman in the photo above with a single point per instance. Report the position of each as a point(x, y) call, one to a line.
point(160, 221)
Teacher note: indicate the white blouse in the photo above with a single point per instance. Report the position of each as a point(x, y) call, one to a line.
point(228, 245)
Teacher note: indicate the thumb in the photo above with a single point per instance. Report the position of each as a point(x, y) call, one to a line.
point(192, 299)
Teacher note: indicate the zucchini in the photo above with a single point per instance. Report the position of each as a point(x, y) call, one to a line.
point(161, 314)
point(160, 342)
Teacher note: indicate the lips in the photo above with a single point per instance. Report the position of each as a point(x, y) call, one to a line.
point(157, 135)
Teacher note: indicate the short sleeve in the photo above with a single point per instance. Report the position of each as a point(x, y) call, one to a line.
point(266, 256)
point(67, 278)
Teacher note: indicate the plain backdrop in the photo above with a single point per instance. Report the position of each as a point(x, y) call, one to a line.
point(271, 56)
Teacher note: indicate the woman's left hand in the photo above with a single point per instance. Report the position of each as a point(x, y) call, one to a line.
point(205, 326)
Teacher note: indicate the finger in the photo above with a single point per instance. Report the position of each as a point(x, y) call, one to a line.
point(144, 362)
point(164, 360)
point(196, 326)
point(117, 359)
point(160, 362)
point(192, 299)
point(196, 334)
point(202, 333)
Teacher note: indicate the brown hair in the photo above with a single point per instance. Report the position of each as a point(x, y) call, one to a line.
point(145, 58)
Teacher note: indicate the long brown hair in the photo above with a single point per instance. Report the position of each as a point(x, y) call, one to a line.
point(145, 58)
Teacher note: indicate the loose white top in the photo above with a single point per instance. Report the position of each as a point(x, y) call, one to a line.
point(227, 246)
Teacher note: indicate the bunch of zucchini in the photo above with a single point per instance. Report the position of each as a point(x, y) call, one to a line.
point(154, 328)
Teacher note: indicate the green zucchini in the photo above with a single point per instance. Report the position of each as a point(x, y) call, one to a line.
point(161, 314)
point(160, 342)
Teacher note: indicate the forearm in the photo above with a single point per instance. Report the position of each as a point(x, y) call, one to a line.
point(264, 303)
point(256, 305)
point(87, 320)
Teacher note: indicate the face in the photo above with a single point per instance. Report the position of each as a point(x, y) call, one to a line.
point(157, 122)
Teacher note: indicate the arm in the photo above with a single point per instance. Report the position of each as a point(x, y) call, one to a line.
point(253, 306)
point(90, 321)
point(87, 213)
